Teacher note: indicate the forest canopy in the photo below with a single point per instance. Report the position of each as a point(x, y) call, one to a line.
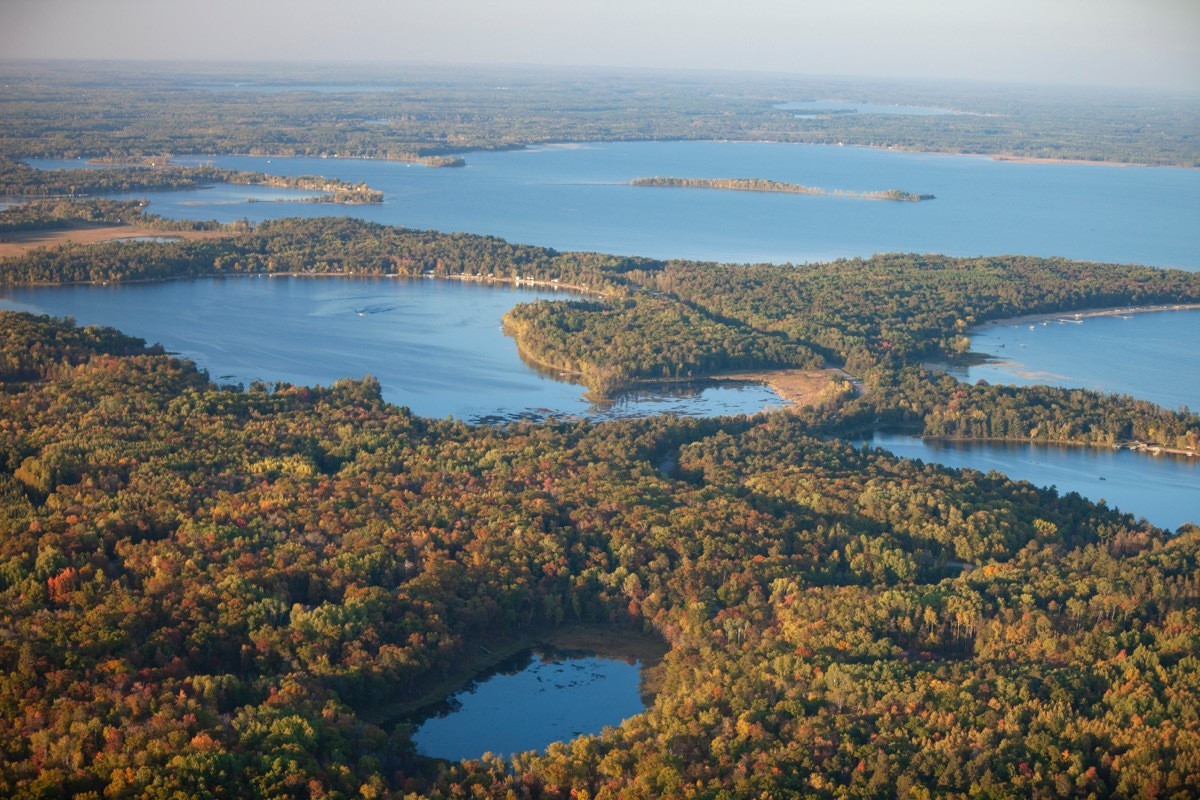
point(211, 591)
point(204, 589)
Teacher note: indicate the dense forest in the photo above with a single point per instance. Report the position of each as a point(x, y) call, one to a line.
point(212, 591)
point(204, 590)
point(49, 215)
point(24, 181)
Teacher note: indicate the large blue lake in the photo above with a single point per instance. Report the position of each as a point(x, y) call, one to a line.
point(578, 198)
point(452, 359)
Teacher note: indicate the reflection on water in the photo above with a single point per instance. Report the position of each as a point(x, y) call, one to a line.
point(537, 697)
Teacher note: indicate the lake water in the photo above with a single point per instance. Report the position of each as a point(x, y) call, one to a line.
point(537, 698)
point(578, 198)
point(435, 346)
point(1163, 489)
point(1152, 356)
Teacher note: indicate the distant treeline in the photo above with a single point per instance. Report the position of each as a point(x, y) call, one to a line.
point(762, 185)
point(22, 180)
point(71, 110)
point(46, 215)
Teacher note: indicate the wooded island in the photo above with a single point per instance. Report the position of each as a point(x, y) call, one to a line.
point(762, 185)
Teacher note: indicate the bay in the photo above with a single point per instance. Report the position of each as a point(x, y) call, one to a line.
point(434, 345)
point(1163, 489)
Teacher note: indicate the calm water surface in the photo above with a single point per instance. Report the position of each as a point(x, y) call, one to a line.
point(540, 698)
point(1163, 489)
point(435, 346)
point(578, 198)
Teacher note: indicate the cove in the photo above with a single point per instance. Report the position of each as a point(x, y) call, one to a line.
point(1163, 489)
point(1152, 355)
point(435, 345)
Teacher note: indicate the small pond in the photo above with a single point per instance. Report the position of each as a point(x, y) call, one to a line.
point(539, 696)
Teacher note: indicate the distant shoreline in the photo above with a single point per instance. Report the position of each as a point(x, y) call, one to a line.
point(461, 154)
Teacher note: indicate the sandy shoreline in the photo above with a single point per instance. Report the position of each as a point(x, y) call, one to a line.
point(797, 387)
point(1051, 316)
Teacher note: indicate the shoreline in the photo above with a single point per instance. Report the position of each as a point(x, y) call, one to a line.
point(1113, 311)
point(1143, 448)
point(765, 186)
point(485, 651)
point(585, 143)
point(517, 282)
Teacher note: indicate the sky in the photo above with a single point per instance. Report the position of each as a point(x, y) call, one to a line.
point(1127, 43)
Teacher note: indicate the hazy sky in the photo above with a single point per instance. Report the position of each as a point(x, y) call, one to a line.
point(1153, 43)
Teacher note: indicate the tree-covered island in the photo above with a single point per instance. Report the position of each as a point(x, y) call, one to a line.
point(763, 185)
